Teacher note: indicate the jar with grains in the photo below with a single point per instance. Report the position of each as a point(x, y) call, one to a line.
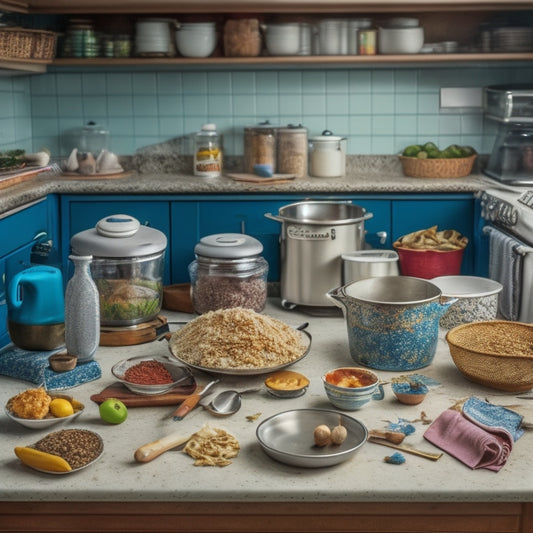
point(292, 150)
point(242, 38)
point(260, 146)
point(228, 272)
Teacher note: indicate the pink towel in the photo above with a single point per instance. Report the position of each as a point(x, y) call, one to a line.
point(475, 446)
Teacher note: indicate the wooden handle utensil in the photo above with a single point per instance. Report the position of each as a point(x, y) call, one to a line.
point(406, 449)
point(396, 437)
point(154, 449)
point(191, 402)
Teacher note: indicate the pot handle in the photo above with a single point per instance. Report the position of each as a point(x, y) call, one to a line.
point(337, 296)
point(273, 217)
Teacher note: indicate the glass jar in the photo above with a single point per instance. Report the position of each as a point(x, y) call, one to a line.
point(292, 150)
point(260, 146)
point(228, 272)
point(208, 152)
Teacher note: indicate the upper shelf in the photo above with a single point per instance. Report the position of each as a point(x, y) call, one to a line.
point(263, 6)
point(302, 61)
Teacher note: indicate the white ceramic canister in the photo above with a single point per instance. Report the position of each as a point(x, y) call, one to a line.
point(327, 155)
point(208, 152)
point(196, 39)
point(153, 36)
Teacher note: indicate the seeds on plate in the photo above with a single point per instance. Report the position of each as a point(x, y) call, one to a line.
point(237, 338)
point(76, 446)
point(148, 373)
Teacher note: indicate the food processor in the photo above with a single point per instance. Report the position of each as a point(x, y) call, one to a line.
point(127, 268)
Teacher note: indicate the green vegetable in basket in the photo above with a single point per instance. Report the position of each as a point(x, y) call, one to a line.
point(467, 151)
point(412, 150)
point(422, 155)
point(452, 152)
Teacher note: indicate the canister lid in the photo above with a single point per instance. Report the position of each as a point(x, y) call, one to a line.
point(262, 128)
point(292, 128)
point(208, 130)
point(327, 136)
point(118, 236)
point(228, 246)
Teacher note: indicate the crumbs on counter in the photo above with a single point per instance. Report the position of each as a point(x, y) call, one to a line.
point(253, 418)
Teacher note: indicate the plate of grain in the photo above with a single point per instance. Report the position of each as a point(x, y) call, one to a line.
point(239, 341)
point(62, 452)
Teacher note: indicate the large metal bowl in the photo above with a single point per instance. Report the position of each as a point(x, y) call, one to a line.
point(288, 437)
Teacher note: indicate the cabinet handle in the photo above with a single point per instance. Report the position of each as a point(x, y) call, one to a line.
point(41, 236)
point(243, 226)
point(382, 237)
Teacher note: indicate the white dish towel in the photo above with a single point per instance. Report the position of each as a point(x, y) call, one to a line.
point(505, 266)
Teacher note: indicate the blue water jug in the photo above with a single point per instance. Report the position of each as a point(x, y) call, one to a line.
point(36, 308)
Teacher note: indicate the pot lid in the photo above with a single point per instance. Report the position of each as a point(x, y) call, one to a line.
point(327, 136)
point(118, 236)
point(228, 246)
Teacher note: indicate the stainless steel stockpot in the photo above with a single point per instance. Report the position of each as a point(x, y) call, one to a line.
point(313, 237)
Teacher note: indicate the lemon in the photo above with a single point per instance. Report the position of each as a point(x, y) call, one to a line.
point(60, 407)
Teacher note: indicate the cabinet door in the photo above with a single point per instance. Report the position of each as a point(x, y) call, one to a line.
point(81, 213)
point(453, 213)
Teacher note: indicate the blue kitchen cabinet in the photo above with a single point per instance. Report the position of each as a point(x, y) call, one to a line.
point(30, 235)
point(247, 215)
point(79, 213)
point(445, 211)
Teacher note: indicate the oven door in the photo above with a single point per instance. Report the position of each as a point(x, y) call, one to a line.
point(511, 263)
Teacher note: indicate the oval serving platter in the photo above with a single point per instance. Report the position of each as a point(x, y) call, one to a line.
point(249, 371)
point(74, 469)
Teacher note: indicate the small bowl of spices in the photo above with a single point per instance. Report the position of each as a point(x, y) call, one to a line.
point(150, 375)
point(410, 392)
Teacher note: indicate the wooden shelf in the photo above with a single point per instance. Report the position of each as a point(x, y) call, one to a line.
point(303, 61)
point(23, 66)
point(268, 6)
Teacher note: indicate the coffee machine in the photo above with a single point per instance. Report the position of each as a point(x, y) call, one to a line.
point(511, 106)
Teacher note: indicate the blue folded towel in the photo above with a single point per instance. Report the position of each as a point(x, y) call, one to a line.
point(33, 366)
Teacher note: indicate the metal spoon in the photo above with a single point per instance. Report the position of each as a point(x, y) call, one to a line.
point(227, 402)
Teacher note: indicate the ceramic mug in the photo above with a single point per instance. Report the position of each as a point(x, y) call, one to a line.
point(350, 388)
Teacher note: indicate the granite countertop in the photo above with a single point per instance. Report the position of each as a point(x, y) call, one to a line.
point(151, 175)
point(253, 476)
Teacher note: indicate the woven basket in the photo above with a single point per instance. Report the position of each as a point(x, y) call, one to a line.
point(20, 43)
point(497, 354)
point(437, 168)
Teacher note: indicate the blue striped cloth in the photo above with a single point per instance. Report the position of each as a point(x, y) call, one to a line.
point(33, 366)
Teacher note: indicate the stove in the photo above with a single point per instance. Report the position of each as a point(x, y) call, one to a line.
point(508, 212)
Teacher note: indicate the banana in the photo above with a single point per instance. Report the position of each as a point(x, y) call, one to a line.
point(42, 460)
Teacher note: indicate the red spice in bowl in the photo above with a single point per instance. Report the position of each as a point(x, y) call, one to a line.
point(148, 373)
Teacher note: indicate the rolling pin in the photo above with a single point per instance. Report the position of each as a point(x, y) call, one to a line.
point(395, 437)
point(150, 451)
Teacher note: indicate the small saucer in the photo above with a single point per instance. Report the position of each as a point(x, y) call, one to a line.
point(286, 384)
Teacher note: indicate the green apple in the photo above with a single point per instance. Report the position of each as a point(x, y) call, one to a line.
point(113, 411)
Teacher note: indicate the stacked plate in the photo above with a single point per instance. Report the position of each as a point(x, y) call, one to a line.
point(153, 37)
point(512, 39)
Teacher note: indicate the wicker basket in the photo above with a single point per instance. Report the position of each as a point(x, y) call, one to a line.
point(497, 354)
point(23, 44)
point(437, 168)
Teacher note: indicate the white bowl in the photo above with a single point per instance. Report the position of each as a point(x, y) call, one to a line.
point(46, 422)
point(196, 42)
point(400, 40)
point(283, 39)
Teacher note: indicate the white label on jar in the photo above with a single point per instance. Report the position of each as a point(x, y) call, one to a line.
point(305, 233)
